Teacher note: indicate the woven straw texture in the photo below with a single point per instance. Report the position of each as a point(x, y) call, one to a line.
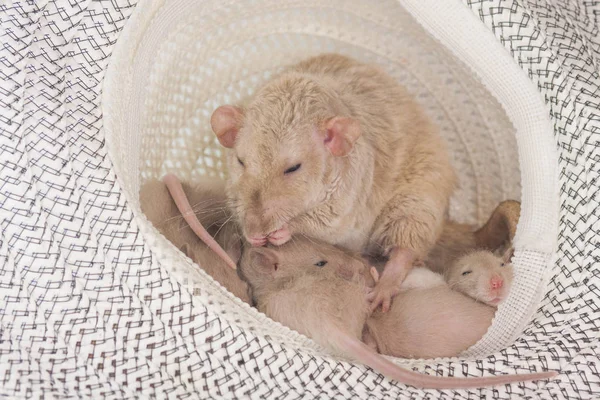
point(96, 304)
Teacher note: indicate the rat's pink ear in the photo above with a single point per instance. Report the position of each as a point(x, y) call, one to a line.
point(508, 255)
point(265, 258)
point(340, 135)
point(226, 122)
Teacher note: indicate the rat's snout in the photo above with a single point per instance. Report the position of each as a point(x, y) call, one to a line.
point(263, 224)
point(253, 230)
point(496, 282)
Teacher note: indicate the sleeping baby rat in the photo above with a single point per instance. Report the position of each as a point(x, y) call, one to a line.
point(457, 240)
point(338, 151)
point(320, 291)
point(464, 255)
point(482, 275)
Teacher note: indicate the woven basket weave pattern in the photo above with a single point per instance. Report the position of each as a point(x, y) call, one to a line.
point(93, 303)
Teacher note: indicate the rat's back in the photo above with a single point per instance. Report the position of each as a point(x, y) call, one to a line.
point(429, 323)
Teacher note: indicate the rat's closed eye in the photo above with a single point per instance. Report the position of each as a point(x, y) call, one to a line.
point(321, 263)
point(240, 161)
point(292, 169)
point(466, 273)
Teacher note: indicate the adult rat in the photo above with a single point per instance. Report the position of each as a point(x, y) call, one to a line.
point(338, 151)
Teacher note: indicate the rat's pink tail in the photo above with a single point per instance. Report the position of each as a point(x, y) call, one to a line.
point(384, 366)
point(176, 190)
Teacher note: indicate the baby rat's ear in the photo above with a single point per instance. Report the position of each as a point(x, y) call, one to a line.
point(265, 258)
point(185, 249)
point(340, 135)
point(234, 248)
point(508, 255)
point(226, 122)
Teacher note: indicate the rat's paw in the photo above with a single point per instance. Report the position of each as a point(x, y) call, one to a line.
point(280, 236)
point(257, 241)
point(382, 294)
point(374, 274)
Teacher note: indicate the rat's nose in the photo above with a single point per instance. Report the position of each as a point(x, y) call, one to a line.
point(496, 282)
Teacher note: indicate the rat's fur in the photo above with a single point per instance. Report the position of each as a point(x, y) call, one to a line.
point(390, 190)
point(428, 320)
point(329, 304)
point(208, 197)
point(284, 286)
point(458, 240)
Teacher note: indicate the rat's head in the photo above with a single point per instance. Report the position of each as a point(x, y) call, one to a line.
point(287, 148)
point(268, 267)
point(483, 276)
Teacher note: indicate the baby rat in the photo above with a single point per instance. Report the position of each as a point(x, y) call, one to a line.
point(320, 291)
point(463, 255)
point(338, 151)
point(209, 197)
point(329, 305)
point(482, 275)
point(428, 320)
point(457, 240)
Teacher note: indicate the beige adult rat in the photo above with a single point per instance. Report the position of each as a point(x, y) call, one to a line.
point(320, 290)
point(208, 197)
point(338, 151)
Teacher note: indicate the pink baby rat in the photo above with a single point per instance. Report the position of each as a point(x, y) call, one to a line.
point(338, 151)
point(457, 240)
point(464, 255)
point(482, 275)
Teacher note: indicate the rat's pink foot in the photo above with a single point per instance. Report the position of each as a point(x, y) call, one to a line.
point(280, 236)
point(391, 279)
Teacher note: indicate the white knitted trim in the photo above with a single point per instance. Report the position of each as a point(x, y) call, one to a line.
point(132, 98)
point(455, 26)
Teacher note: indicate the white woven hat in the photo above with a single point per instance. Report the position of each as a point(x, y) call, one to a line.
point(178, 61)
point(96, 304)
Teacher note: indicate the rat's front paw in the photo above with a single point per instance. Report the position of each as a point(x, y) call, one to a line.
point(257, 241)
point(280, 236)
point(382, 294)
